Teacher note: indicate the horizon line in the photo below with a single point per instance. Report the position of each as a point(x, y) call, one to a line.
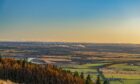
point(72, 42)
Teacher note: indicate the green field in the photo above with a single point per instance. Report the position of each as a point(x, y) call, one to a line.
point(85, 68)
point(128, 73)
point(122, 76)
point(123, 71)
point(125, 67)
point(126, 82)
point(92, 70)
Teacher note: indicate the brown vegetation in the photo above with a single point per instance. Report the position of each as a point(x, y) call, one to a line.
point(24, 72)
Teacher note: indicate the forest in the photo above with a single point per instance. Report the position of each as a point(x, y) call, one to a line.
point(21, 71)
point(28, 73)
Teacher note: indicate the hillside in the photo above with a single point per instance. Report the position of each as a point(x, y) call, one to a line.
point(6, 82)
point(23, 72)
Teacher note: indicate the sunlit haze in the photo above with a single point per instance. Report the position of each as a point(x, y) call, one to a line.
point(97, 21)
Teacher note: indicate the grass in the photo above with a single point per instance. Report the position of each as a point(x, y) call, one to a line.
point(115, 82)
point(92, 69)
point(122, 76)
point(131, 81)
point(6, 82)
point(124, 71)
point(125, 67)
point(85, 68)
point(81, 70)
point(85, 71)
point(126, 82)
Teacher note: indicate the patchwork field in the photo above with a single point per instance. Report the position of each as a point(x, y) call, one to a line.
point(118, 63)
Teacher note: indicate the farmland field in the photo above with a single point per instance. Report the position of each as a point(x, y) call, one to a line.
point(118, 63)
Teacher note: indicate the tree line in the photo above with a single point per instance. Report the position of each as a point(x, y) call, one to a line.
point(28, 73)
point(21, 71)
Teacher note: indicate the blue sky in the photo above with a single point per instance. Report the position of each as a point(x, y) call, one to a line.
point(70, 20)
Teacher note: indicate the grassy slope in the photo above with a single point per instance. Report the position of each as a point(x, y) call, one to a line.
point(6, 82)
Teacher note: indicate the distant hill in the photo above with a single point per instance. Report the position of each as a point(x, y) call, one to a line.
point(28, 73)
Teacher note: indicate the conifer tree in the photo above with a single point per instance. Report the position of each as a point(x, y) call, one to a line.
point(0, 57)
point(105, 82)
point(36, 74)
point(82, 75)
point(88, 79)
point(76, 74)
point(98, 80)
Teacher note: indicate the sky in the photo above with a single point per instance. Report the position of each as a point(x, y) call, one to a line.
point(97, 21)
